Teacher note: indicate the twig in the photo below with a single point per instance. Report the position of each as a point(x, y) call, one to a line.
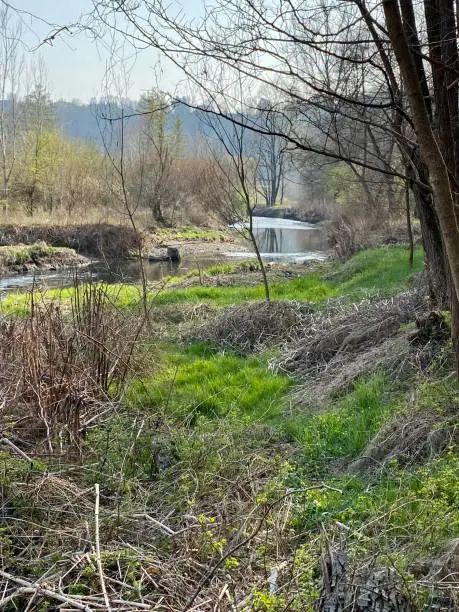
point(17, 593)
point(34, 587)
point(98, 558)
point(162, 526)
point(14, 448)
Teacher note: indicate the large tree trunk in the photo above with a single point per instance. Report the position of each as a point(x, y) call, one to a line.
point(439, 277)
point(443, 51)
point(418, 174)
point(431, 237)
point(429, 148)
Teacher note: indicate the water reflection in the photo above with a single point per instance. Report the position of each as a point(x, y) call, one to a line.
point(276, 240)
point(291, 239)
point(267, 240)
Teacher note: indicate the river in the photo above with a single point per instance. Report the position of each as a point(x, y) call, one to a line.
point(277, 239)
point(288, 240)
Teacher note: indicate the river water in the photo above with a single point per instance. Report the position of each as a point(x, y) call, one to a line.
point(288, 240)
point(277, 239)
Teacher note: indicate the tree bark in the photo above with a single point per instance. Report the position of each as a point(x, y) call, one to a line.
point(429, 148)
point(409, 228)
point(437, 263)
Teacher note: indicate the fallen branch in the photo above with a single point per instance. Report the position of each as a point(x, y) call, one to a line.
point(15, 449)
point(37, 588)
point(98, 558)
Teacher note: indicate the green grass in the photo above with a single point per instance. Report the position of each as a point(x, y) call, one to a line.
point(310, 288)
point(342, 431)
point(221, 269)
point(384, 270)
point(200, 383)
point(397, 514)
point(400, 516)
point(193, 233)
point(209, 405)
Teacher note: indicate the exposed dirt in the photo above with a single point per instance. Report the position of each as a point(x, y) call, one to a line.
point(119, 241)
point(21, 259)
point(196, 247)
point(97, 240)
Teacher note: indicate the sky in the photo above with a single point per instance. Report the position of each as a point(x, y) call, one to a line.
point(76, 65)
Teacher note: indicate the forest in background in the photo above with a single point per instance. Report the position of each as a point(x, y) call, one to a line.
point(61, 159)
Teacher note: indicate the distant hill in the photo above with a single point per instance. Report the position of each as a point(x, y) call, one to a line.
point(86, 121)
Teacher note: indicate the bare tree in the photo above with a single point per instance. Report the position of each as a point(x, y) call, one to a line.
point(11, 65)
point(239, 164)
point(113, 126)
point(334, 58)
point(38, 152)
point(273, 152)
point(328, 61)
point(161, 151)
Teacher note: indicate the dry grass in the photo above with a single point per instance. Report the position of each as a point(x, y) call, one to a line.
point(164, 546)
point(343, 344)
point(59, 217)
point(191, 532)
point(256, 325)
point(59, 370)
point(416, 435)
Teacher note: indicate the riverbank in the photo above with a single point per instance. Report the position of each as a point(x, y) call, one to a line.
point(236, 451)
point(21, 258)
point(103, 240)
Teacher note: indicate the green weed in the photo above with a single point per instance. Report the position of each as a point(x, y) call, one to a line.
point(344, 430)
point(413, 511)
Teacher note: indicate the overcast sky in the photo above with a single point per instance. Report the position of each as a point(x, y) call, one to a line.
point(76, 65)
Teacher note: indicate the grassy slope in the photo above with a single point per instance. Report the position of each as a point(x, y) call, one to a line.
point(214, 406)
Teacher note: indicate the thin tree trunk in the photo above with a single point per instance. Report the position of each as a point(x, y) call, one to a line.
point(258, 255)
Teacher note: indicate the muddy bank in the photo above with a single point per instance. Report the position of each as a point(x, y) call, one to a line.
point(197, 246)
point(21, 258)
point(95, 240)
point(121, 242)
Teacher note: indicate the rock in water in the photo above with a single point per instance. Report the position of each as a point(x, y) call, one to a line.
point(173, 254)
